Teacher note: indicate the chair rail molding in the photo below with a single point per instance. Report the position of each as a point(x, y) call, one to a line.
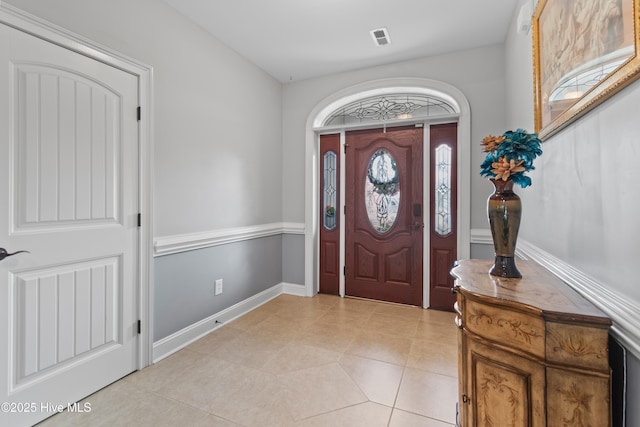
point(481, 236)
point(168, 245)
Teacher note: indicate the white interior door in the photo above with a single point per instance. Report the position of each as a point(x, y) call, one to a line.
point(69, 195)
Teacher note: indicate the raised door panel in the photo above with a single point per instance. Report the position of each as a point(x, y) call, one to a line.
point(330, 264)
point(398, 267)
point(68, 146)
point(64, 315)
point(367, 266)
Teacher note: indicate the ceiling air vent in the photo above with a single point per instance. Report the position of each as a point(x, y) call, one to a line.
point(380, 36)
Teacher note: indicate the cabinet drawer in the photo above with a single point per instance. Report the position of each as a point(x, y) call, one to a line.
point(506, 326)
point(579, 346)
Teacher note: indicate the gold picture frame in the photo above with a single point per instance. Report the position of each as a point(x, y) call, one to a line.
point(584, 51)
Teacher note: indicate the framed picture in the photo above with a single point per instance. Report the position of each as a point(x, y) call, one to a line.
point(584, 51)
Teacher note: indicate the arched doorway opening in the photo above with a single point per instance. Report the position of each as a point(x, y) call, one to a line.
point(318, 122)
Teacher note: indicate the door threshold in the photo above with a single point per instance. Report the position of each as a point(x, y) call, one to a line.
point(382, 301)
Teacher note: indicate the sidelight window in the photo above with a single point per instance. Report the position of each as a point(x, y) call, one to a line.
point(329, 191)
point(443, 220)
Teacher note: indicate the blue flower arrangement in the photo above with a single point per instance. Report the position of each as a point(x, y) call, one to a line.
point(510, 156)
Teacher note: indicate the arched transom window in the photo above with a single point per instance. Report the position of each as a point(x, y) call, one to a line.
point(390, 107)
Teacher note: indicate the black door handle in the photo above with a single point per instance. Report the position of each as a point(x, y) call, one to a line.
point(4, 254)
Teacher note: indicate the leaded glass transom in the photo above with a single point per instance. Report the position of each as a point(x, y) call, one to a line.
point(389, 107)
point(382, 191)
point(329, 191)
point(443, 220)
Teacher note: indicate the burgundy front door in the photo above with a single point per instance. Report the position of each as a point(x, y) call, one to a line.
point(384, 214)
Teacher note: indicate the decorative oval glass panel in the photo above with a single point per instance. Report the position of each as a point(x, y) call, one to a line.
point(382, 191)
point(443, 225)
point(329, 190)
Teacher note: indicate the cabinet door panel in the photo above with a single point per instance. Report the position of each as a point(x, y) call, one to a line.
point(577, 400)
point(503, 389)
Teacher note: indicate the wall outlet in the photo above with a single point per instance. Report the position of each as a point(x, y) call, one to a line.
point(218, 289)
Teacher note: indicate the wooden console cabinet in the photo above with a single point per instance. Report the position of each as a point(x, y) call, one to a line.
point(532, 351)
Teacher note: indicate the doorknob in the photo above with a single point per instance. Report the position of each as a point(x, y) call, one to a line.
point(4, 254)
point(417, 226)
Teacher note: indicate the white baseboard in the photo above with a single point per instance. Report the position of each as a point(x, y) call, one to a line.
point(623, 313)
point(178, 340)
point(182, 338)
point(293, 289)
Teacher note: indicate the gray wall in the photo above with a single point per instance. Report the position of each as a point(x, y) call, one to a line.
point(293, 259)
point(184, 285)
point(218, 152)
point(583, 204)
point(482, 251)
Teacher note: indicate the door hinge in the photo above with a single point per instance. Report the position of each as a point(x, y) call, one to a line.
point(139, 326)
point(139, 113)
point(344, 209)
point(344, 270)
point(345, 148)
point(139, 219)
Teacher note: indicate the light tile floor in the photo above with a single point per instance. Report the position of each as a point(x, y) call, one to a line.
point(321, 361)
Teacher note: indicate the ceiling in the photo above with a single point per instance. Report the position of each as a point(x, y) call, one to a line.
point(300, 39)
